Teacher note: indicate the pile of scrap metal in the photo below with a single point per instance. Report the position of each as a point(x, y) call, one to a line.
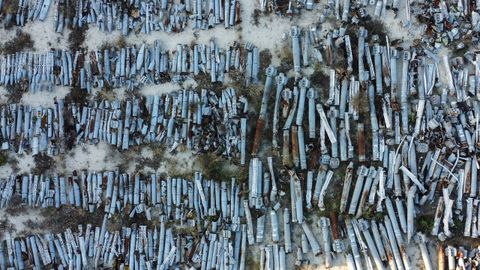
point(411, 114)
point(127, 16)
point(449, 23)
point(37, 129)
point(127, 67)
point(426, 135)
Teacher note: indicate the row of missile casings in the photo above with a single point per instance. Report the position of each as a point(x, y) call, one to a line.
point(303, 39)
point(264, 191)
point(138, 16)
point(37, 129)
point(130, 194)
point(140, 247)
point(369, 192)
point(127, 67)
point(181, 117)
point(356, 11)
point(136, 247)
point(342, 10)
point(439, 171)
point(264, 188)
point(308, 45)
point(384, 244)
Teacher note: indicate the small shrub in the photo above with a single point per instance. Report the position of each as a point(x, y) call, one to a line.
point(16, 207)
point(286, 59)
point(374, 27)
point(3, 158)
point(21, 42)
point(121, 42)
point(77, 37)
point(69, 217)
point(11, 6)
point(265, 61)
point(425, 224)
point(265, 58)
point(77, 95)
point(457, 228)
point(255, 17)
point(369, 212)
point(43, 163)
point(218, 168)
point(15, 92)
point(5, 226)
point(320, 80)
